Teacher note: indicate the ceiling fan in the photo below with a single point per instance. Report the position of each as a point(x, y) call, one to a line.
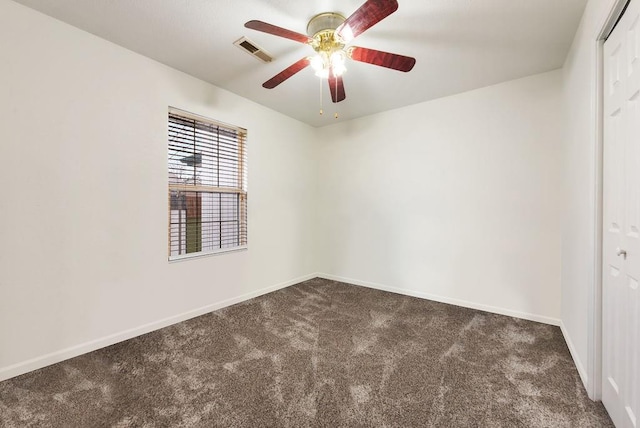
point(328, 34)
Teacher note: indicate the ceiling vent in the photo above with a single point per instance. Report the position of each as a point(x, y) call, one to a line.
point(252, 49)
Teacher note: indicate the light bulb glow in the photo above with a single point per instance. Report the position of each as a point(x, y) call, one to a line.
point(327, 64)
point(346, 33)
point(317, 63)
point(323, 73)
point(339, 70)
point(337, 63)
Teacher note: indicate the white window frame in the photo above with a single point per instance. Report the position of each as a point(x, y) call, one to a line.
point(195, 186)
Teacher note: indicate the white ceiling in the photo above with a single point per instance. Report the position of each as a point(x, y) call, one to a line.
point(459, 45)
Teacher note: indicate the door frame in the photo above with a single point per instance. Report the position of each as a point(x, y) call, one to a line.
point(594, 328)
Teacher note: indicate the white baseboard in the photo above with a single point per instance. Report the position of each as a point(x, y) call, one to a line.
point(574, 354)
point(448, 300)
point(83, 348)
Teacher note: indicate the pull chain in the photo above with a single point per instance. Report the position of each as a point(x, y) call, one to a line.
point(321, 112)
point(336, 85)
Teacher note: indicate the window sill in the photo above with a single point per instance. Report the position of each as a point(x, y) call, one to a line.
point(191, 256)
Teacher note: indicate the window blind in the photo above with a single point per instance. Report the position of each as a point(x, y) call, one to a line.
point(207, 186)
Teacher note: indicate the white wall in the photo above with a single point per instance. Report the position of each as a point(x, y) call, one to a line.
point(83, 211)
point(580, 160)
point(455, 199)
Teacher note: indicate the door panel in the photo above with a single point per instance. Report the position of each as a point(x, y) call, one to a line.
point(632, 218)
point(621, 221)
point(612, 222)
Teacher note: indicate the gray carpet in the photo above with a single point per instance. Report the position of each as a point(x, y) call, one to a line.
point(319, 353)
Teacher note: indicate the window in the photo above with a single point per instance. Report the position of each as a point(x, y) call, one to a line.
point(207, 186)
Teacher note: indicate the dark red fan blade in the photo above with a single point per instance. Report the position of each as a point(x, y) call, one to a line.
point(286, 73)
point(336, 87)
point(368, 15)
point(383, 59)
point(277, 31)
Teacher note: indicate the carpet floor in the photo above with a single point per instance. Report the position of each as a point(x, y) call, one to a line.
point(323, 354)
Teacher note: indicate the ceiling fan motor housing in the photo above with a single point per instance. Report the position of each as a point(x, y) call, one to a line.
point(328, 44)
point(324, 21)
point(322, 29)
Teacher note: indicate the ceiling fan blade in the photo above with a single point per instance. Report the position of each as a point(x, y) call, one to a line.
point(336, 87)
point(277, 31)
point(369, 14)
point(286, 73)
point(383, 59)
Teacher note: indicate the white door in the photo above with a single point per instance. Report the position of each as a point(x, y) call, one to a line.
point(621, 221)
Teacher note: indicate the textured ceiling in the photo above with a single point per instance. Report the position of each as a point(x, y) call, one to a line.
point(459, 45)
